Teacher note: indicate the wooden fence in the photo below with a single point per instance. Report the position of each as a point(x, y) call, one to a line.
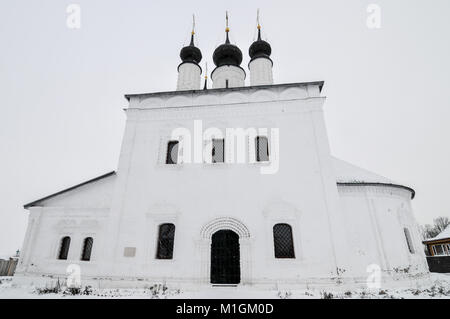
point(439, 264)
point(7, 267)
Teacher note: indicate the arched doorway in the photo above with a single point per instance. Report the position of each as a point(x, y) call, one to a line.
point(225, 258)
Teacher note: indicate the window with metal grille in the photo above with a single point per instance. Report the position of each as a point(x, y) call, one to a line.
point(87, 249)
point(172, 152)
point(409, 240)
point(165, 241)
point(283, 242)
point(218, 150)
point(262, 149)
point(64, 248)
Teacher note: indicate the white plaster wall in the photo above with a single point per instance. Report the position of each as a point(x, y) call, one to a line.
point(189, 77)
point(374, 218)
point(332, 230)
point(234, 75)
point(192, 195)
point(56, 223)
point(261, 72)
point(80, 213)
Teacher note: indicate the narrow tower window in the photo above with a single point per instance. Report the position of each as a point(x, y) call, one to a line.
point(64, 248)
point(87, 249)
point(262, 149)
point(409, 240)
point(165, 241)
point(172, 152)
point(218, 150)
point(283, 242)
point(226, 84)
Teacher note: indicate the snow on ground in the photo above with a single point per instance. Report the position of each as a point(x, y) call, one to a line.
point(438, 287)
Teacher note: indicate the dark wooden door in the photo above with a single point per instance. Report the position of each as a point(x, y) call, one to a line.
point(225, 258)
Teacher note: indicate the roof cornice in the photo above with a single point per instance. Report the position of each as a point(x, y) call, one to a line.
point(34, 203)
point(412, 191)
point(242, 88)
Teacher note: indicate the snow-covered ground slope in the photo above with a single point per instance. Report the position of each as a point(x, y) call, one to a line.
point(437, 287)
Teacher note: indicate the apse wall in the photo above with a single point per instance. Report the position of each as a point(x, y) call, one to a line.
point(375, 219)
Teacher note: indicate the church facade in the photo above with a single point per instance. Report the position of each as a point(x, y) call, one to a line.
point(229, 185)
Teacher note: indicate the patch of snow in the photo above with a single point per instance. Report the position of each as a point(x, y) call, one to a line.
point(5, 257)
point(437, 287)
point(443, 235)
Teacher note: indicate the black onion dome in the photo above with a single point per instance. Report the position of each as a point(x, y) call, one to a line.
point(191, 53)
point(227, 54)
point(259, 48)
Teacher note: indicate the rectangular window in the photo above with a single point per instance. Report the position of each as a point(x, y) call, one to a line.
point(165, 241)
point(409, 240)
point(438, 250)
point(64, 248)
point(172, 152)
point(448, 248)
point(283, 242)
point(262, 149)
point(218, 150)
point(87, 249)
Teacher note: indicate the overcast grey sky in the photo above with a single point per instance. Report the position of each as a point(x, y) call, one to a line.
point(388, 89)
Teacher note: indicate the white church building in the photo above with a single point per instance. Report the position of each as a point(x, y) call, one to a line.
point(228, 185)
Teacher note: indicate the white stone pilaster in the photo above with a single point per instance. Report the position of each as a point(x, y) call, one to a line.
point(27, 247)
